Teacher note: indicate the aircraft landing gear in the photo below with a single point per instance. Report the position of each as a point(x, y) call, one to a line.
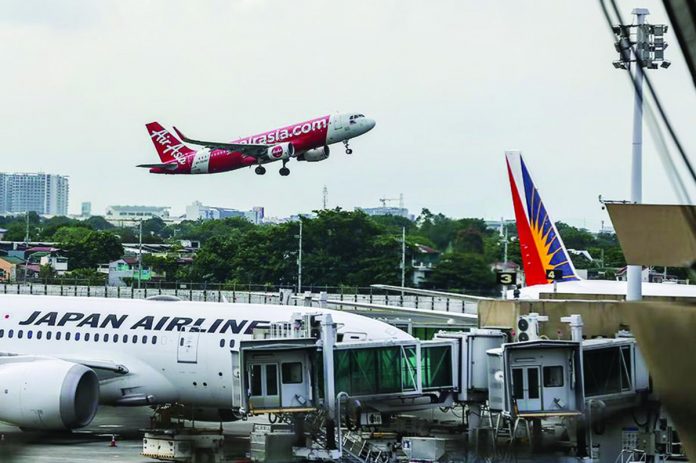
point(260, 170)
point(348, 150)
point(284, 171)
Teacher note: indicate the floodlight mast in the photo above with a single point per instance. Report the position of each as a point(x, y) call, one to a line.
point(646, 52)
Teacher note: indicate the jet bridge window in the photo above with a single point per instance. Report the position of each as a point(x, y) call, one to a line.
point(607, 370)
point(553, 376)
point(292, 373)
point(376, 370)
point(436, 367)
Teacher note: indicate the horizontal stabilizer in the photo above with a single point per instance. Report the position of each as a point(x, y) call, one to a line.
point(166, 166)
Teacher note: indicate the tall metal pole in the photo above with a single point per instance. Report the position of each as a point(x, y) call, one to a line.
point(299, 261)
point(403, 258)
point(504, 235)
point(26, 231)
point(634, 272)
point(140, 253)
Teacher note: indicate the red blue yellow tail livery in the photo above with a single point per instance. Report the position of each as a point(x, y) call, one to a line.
point(540, 244)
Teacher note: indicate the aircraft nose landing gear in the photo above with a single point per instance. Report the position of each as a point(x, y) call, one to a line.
point(348, 150)
point(284, 171)
point(260, 170)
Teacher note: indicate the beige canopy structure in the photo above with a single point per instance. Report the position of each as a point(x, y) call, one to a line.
point(665, 333)
point(655, 234)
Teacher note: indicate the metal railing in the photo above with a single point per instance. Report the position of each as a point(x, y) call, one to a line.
point(233, 293)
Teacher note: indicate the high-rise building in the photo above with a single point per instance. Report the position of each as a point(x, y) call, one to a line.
point(86, 210)
point(45, 194)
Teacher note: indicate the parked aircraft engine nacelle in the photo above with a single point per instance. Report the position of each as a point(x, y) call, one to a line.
point(47, 394)
point(281, 151)
point(315, 155)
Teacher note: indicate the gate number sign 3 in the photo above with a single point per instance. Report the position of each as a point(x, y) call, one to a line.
point(507, 278)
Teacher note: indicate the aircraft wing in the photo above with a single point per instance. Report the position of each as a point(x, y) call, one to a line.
point(247, 149)
point(404, 310)
point(428, 292)
point(104, 365)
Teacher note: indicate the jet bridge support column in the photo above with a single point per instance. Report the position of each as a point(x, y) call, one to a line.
point(328, 339)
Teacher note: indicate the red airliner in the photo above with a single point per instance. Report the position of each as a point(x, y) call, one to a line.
point(306, 141)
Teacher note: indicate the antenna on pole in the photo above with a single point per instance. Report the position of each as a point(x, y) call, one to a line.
point(325, 197)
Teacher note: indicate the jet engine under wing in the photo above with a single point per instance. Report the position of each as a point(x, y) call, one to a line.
point(247, 149)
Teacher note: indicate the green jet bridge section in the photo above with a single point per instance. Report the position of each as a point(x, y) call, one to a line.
point(285, 369)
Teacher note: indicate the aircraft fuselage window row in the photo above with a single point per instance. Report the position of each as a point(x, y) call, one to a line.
point(96, 338)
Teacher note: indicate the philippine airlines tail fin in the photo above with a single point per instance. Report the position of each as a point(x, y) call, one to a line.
point(540, 244)
point(168, 146)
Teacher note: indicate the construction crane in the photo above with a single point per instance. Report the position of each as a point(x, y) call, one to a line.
point(400, 199)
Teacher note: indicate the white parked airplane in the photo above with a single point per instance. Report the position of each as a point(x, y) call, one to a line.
point(542, 248)
point(61, 357)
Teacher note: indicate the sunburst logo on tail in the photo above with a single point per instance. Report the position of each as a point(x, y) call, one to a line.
point(541, 245)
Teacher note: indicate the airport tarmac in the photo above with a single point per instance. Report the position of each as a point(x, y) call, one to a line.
point(92, 444)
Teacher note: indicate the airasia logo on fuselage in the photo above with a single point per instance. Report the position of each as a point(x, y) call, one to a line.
point(277, 151)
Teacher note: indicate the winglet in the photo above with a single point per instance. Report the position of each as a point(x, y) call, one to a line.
point(181, 135)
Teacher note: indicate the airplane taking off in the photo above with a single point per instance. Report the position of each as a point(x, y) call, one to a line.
point(305, 141)
point(61, 357)
point(542, 248)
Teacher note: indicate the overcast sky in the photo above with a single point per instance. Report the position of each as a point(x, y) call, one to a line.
point(451, 84)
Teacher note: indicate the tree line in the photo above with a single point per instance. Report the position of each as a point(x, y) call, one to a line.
point(339, 248)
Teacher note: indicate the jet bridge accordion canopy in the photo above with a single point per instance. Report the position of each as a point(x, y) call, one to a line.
point(655, 234)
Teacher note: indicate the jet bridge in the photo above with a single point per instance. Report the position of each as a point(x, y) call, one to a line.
point(279, 375)
point(536, 379)
point(282, 370)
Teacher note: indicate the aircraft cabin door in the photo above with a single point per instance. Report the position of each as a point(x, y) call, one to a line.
point(526, 388)
point(337, 121)
point(187, 348)
point(263, 386)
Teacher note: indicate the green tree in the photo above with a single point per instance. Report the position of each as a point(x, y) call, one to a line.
point(86, 276)
point(88, 250)
point(462, 272)
point(97, 222)
point(46, 273)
